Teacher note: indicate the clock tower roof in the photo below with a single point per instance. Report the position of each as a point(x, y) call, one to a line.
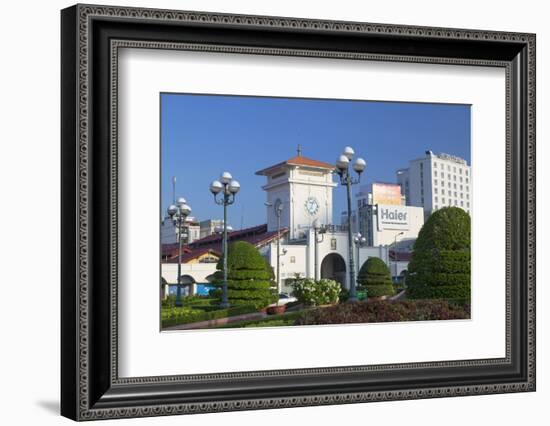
point(297, 160)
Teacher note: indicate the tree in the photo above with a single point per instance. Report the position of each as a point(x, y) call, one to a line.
point(374, 275)
point(440, 264)
point(249, 277)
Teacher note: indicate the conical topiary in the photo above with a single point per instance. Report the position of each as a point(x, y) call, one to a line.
point(249, 277)
point(440, 265)
point(374, 275)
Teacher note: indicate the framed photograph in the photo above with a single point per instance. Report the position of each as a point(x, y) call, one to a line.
point(263, 212)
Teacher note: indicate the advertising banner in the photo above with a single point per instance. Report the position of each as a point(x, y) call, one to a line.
point(386, 193)
point(393, 217)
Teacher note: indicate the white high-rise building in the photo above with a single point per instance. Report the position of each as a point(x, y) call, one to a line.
point(436, 181)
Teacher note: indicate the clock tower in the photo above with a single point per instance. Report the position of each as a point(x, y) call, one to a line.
point(300, 190)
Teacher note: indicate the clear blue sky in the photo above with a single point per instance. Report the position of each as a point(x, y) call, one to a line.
point(203, 135)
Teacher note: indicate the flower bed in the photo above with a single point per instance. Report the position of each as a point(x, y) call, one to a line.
point(385, 311)
point(315, 293)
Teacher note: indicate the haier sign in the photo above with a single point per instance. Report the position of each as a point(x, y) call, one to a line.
point(392, 217)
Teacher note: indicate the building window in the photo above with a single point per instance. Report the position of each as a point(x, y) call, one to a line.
point(454, 178)
point(435, 190)
point(455, 194)
point(454, 169)
point(454, 185)
point(443, 200)
point(435, 172)
point(442, 175)
point(461, 195)
point(435, 198)
point(467, 196)
point(435, 182)
point(442, 191)
point(466, 171)
point(448, 168)
point(462, 204)
point(461, 187)
point(455, 202)
point(460, 178)
point(449, 184)
point(468, 205)
point(460, 171)
point(466, 180)
point(292, 259)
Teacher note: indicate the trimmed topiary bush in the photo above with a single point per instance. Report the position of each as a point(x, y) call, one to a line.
point(249, 277)
point(440, 265)
point(374, 275)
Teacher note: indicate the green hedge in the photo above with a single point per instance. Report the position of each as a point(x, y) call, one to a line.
point(186, 315)
point(249, 277)
point(458, 292)
point(286, 319)
point(243, 255)
point(440, 266)
point(374, 276)
point(378, 290)
point(385, 311)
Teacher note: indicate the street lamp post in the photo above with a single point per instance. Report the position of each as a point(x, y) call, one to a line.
point(178, 212)
point(342, 168)
point(359, 242)
point(278, 207)
point(317, 229)
point(228, 187)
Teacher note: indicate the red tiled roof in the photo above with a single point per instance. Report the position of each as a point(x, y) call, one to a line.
point(298, 160)
point(169, 250)
point(257, 236)
point(192, 254)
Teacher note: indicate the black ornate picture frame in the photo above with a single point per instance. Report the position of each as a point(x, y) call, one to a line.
point(91, 387)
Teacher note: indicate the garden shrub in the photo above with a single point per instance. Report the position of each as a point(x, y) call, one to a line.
point(440, 265)
point(249, 277)
point(187, 314)
point(315, 293)
point(385, 311)
point(375, 277)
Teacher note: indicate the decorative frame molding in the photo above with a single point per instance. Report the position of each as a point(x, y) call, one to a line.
point(91, 37)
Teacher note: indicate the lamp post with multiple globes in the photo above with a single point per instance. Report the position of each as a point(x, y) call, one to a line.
point(178, 212)
point(228, 188)
point(347, 180)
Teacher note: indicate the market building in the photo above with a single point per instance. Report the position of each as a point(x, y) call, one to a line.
point(299, 228)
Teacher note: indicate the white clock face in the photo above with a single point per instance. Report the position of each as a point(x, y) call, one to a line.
point(312, 205)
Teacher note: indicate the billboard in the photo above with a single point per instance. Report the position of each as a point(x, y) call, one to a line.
point(393, 217)
point(386, 193)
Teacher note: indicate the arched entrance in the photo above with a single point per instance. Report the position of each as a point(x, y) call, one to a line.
point(163, 288)
point(333, 267)
point(187, 282)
